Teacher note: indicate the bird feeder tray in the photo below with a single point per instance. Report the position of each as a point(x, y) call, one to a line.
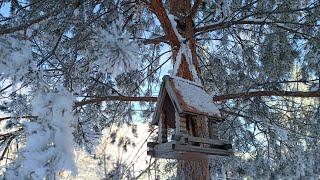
point(189, 148)
point(181, 103)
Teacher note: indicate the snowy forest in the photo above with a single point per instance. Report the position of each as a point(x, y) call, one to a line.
point(80, 83)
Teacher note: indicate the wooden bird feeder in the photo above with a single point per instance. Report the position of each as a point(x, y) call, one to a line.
point(180, 104)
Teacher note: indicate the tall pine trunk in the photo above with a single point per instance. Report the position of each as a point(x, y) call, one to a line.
point(183, 11)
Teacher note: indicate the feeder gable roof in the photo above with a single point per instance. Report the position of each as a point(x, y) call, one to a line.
point(187, 98)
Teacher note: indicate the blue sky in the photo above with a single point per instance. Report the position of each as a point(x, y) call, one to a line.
point(5, 9)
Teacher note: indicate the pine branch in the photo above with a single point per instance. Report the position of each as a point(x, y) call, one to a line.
point(26, 24)
point(223, 24)
point(300, 94)
point(12, 117)
point(243, 95)
point(115, 98)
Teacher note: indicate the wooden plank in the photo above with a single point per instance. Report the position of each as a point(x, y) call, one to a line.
point(208, 151)
point(203, 114)
point(219, 144)
point(164, 147)
point(151, 144)
point(213, 129)
point(176, 137)
point(164, 135)
point(173, 97)
point(165, 155)
point(160, 99)
point(180, 155)
point(204, 140)
point(177, 121)
point(164, 129)
point(160, 123)
point(150, 153)
point(175, 150)
point(169, 110)
point(183, 125)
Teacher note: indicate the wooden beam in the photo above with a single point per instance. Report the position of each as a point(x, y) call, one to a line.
point(151, 144)
point(183, 125)
point(186, 138)
point(208, 151)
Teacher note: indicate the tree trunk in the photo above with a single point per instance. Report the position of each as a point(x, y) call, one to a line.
point(196, 169)
point(184, 12)
point(190, 169)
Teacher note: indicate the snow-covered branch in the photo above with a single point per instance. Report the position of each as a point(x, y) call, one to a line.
point(242, 95)
point(115, 98)
point(267, 93)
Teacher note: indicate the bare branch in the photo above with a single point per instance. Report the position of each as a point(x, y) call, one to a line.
point(15, 117)
point(157, 40)
point(267, 93)
point(216, 98)
point(6, 145)
point(5, 88)
point(195, 8)
point(115, 98)
point(261, 21)
point(8, 30)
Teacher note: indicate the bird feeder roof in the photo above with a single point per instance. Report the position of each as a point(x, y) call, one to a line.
point(187, 97)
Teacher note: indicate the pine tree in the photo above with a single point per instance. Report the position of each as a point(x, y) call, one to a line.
point(104, 55)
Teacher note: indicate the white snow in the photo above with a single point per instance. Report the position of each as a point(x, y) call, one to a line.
point(174, 27)
point(315, 87)
point(116, 52)
point(187, 81)
point(188, 55)
point(177, 63)
point(226, 7)
point(49, 140)
point(282, 133)
point(186, 52)
point(76, 12)
point(254, 90)
point(15, 57)
point(196, 97)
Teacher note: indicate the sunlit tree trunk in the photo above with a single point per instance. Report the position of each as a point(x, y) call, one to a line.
point(183, 11)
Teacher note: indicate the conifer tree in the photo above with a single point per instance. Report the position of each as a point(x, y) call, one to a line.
point(69, 69)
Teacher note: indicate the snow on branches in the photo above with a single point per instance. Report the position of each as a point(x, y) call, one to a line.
point(49, 141)
point(15, 57)
point(184, 51)
point(116, 52)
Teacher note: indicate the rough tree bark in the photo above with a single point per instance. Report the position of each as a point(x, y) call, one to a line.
point(184, 11)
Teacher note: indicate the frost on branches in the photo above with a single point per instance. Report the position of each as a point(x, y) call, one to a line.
point(49, 145)
point(15, 57)
point(116, 52)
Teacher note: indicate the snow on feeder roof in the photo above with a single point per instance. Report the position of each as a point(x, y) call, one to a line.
point(187, 98)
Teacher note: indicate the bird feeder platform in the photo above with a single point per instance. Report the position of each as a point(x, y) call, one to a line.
point(183, 109)
point(189, 148)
